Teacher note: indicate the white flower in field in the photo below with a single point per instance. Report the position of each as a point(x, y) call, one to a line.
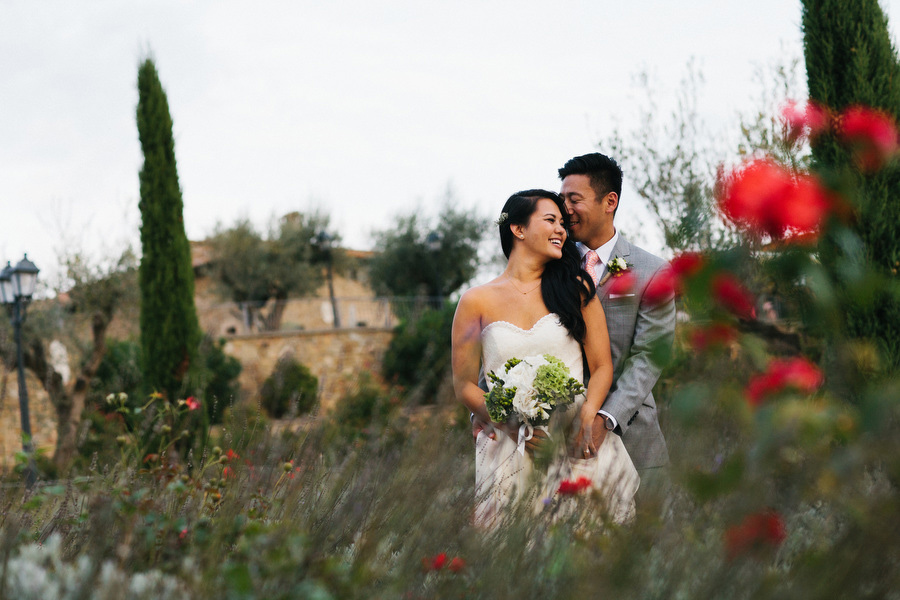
point(110, 398)
point(38, 571)
point(123, 397)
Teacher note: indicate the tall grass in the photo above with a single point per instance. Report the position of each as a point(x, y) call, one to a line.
point(323, 515)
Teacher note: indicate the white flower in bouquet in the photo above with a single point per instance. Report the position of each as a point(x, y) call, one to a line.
point(528, 390)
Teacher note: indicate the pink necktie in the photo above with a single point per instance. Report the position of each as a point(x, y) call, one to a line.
point(590, 261)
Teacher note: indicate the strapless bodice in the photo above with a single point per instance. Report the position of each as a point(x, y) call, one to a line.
point(501, 341)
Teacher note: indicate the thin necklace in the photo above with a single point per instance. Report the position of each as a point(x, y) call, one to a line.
point(518, 289)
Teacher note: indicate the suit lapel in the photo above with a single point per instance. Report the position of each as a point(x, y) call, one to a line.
point(623, 249)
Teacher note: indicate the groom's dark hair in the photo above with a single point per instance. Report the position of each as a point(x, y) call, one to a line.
point(604, 173)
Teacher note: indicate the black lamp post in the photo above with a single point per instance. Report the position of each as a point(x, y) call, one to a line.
point(16, 289)
point(325, 242)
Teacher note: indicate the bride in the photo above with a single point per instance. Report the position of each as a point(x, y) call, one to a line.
point(542, 303)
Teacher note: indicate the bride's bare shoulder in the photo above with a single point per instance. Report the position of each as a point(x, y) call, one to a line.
point(482, 299)
point(485, 293)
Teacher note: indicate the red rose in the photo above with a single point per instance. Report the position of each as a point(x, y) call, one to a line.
point(795, 373)
point(568, 487)
point(768, 199)
point(813, 119)
point(755, 531)
point(661, 287)
point(622, 283)
point(717, 334)
point(687, 264)
point(872, 134)
point(457, 564)
point(732, 295)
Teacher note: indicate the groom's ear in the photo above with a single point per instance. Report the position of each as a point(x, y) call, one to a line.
point(611, 201)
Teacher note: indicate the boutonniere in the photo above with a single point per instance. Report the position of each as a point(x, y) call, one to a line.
point(616, 267)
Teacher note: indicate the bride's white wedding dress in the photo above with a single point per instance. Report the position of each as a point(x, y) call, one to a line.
point(502, 474)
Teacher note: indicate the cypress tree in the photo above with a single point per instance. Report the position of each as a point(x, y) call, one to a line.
point(850, 59)
point(170, 332)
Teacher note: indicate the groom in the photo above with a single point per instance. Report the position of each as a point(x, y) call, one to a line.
point(591, 187)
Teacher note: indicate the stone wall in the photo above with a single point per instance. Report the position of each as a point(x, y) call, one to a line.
point(43, 417)
point(335, 356)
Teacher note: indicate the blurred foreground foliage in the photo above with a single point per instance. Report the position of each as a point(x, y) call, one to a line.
point(335, 511)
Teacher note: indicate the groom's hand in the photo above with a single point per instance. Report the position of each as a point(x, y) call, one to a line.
point(538, 438)
point(598, 431)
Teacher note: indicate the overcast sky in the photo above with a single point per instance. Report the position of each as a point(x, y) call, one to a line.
point(361, 109)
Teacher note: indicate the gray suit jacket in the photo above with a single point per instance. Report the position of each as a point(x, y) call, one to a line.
point(634, 328)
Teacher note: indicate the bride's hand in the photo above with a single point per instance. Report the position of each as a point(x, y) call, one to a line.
point(479, 425)
point(584, 445)
point(510, 429)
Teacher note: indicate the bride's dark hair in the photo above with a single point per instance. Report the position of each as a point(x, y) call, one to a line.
point(564, 285)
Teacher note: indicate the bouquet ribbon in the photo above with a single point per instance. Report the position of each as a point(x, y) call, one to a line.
point(526, 432)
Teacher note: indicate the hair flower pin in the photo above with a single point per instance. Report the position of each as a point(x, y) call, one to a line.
point(503, 218)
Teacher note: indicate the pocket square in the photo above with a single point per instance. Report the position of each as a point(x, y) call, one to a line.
point(614, 296)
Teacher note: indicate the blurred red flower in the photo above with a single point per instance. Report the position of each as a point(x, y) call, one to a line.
point(192, 403)
point(662, 287)
point(227, 472)
point(717, 334)
point(687, 264)
point(231, 454)
point(796, 373)
point(569, 487)
point(755, 531)
point(622, 283)
point(438, 562)
point(457, 564)
point(812, 120)
point(768, 199)
point(732, 295)
point(872, 134)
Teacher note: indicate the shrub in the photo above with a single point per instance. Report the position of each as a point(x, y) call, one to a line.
point(365, 411)
point(290, 390)
point(418, 357)
point(216, 380)
point(119, 371)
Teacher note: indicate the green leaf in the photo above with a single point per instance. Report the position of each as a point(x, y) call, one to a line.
point(238, 578)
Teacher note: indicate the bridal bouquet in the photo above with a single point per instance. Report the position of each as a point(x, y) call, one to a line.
point(529, 390)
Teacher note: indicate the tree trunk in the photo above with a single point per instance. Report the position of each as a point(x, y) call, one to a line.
point(272, 321)
point(69, 402)
point(67, 438)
